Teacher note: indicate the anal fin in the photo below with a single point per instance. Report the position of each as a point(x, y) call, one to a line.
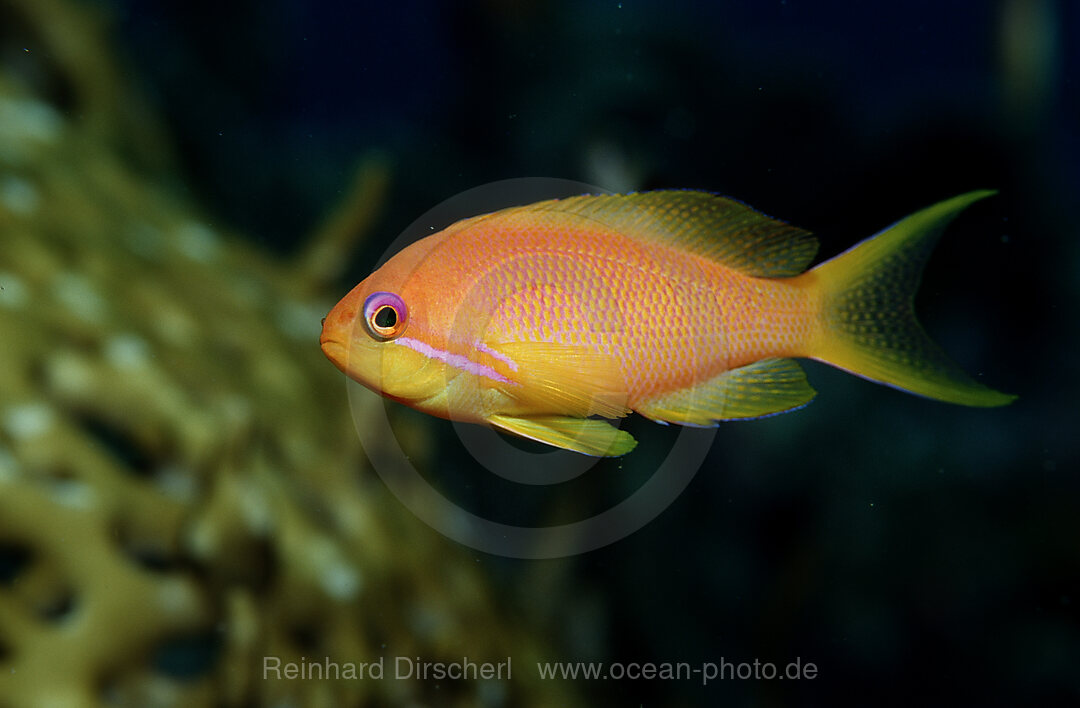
point(584, 435)
point(763, 388)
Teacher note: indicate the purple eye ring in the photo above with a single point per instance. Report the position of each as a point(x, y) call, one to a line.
point(385, 316)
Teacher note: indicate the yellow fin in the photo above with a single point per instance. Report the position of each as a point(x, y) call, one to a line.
point(585, 435)
point(870, 322)
point(565, 380)
point(763, 388)
point(708, 225)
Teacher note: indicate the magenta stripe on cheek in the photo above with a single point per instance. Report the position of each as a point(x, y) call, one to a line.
point(497, 355)
point(455, 360)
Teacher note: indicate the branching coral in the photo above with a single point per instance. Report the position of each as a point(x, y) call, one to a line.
point(181, 490)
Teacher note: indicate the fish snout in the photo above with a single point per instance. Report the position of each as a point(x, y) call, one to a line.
point(335, 335)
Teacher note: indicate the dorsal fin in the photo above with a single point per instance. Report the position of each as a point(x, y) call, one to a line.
point(711, 226)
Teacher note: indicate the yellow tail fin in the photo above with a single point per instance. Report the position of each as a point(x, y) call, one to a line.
point(869, 318)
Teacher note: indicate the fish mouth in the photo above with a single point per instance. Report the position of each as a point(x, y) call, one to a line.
point(334, 351)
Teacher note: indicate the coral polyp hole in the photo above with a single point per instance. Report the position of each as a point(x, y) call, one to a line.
point(188, 656)
point(120, 443)
point(305, 637)
point(256, 568)
point(58, 607)
point(13, 560)
point(151, 558)
point(150, 552)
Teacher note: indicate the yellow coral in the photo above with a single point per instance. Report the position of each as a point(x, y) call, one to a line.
point(181, 489)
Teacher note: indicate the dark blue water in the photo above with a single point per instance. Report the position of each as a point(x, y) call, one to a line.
point(915, 552)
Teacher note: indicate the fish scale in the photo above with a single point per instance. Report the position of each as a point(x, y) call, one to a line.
point(603, 285)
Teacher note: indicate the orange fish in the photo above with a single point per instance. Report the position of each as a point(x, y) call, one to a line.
point(685, 307)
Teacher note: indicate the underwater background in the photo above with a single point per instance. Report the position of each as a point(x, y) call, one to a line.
point(187, 188)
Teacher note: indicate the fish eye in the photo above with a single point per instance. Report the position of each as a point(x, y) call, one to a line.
point(385, 316)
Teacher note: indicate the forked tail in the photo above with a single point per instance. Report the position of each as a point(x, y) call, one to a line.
point(869, 326)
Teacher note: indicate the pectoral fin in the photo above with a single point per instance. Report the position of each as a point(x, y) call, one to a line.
point(584, 435)
point(566, 380)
